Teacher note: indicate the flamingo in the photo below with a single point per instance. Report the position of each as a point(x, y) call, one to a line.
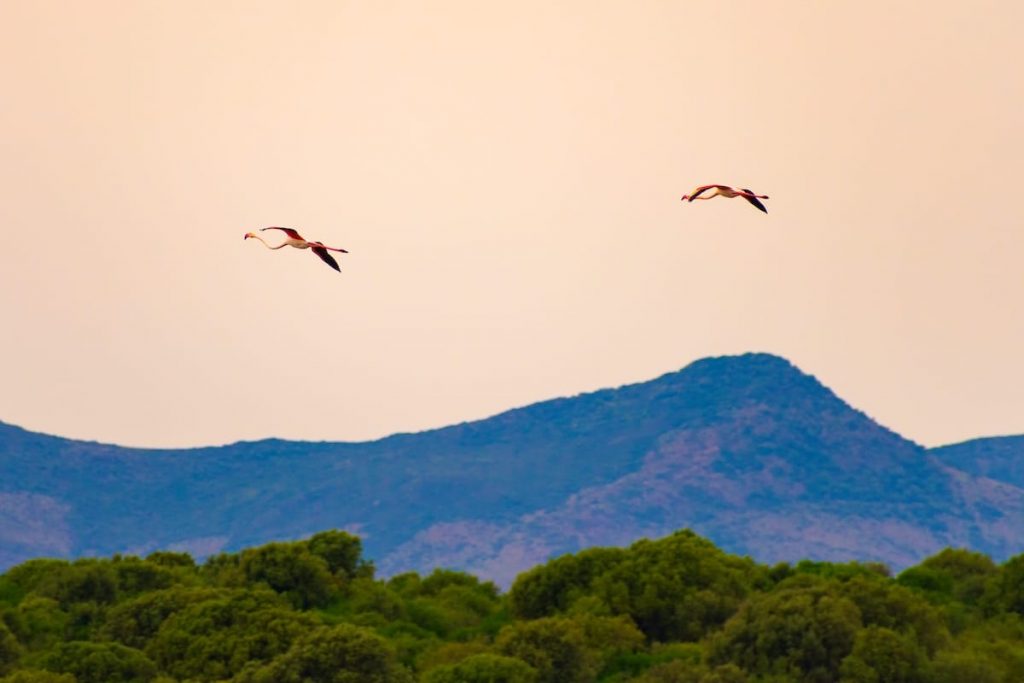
point(726, 191)
point(294, 239)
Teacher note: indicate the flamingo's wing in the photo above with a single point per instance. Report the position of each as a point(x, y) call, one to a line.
point(749, 196)
point(294, 234)
point(326, 257)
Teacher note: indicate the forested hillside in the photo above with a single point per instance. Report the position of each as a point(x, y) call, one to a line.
point(673, 610)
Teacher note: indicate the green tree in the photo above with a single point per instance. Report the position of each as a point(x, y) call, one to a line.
point(676, 671)
point(952, 574)
point(223, 570)
point(340, 550)
point(800, 632)
point(551, 588)
point(368, 597)
point(449, 653)
point(885, 603)
point(881, 655)
point(37, 676)
point(291, 570)
point(677, 588)
point(450, 604)
point(555, 647)
point(134, 576)
point(933, 583)
point(100, 663)
point(662, 661)
point(10, 649)
point(842, 571)
point(338, 654)
point(28, 576)
point(1005, 589)
point(40, 622)
point(83, 581)
point(680, 671)
point(215, 639)
point(725, 673)
point(996, 643)
point(136, 621)
point(609, 639)
point(483, 668)
point(409, 641)
point(967, 666)
point(171, 560)
point(443, 579)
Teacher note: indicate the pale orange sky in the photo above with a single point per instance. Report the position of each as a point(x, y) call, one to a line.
point(507, 179)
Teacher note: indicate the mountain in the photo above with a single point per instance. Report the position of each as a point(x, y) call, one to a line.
point(746, 450)
point(999, 458)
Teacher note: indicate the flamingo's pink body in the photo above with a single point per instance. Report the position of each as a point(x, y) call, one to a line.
point(726, 191)
point(294, 239)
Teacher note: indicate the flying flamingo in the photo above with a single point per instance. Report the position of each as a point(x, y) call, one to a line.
point(294, 239)
point(726, 191)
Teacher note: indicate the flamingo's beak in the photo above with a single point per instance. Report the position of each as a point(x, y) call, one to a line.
point(247, 235)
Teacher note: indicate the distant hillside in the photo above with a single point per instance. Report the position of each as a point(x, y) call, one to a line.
point(747, 450)
point(1000, 458)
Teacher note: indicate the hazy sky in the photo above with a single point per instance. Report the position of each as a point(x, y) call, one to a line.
point(507, 178)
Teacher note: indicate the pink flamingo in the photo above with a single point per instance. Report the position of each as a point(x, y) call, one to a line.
point(294, 239)
point(727, 191)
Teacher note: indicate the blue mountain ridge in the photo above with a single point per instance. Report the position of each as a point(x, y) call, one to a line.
point(747, 450)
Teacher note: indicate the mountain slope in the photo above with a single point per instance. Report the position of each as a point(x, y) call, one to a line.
point(747, 450)
point(1000, 458)
point(785, 476)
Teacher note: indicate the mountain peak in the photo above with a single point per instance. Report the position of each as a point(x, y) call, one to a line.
point(753, 370)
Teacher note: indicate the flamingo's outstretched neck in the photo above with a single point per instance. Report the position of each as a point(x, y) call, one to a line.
point(257, 237)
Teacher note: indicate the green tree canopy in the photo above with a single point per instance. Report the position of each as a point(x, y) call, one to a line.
point(888, 604)
point(100, 663)
point(483, 668)
point(551, 588)
point(291, 570)
point(37, 676)
point(953, 574)
point(338, 654)
point(673, 610)
point(966, 667)
point(39, 622)
point(10, 649)
point(675, 588)
point(555, 647)
point(136, 621)
point(803, 633)
point(880, 654)
point(341, 551)
point(1005, 590)
point(215, 639)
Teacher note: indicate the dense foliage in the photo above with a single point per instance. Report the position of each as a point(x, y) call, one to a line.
point(674, 610)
